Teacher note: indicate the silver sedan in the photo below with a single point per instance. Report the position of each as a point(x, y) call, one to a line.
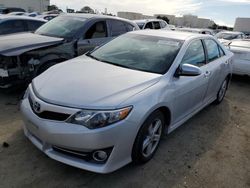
point(102, 110)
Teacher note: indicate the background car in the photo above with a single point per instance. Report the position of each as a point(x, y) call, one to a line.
point(7, 10)
point(152, 24)
point(47, 16)
point(27, 55)
point(241, 59)
point(197, 30)
point(18, 14)
point(226, 36)
point(16, 24)
point(102, 110)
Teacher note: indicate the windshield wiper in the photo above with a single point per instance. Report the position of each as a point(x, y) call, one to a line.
point(104, 61)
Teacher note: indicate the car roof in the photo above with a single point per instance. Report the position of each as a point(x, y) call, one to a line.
point(195, 29)
point(90, 16)
point(14, 17)
point(170, 34)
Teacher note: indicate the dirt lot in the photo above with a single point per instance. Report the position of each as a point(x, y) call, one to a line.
point(210, 150)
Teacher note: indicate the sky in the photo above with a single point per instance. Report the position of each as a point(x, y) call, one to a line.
point(223, 12)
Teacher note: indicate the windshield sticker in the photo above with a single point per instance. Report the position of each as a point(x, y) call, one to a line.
point(169, 43)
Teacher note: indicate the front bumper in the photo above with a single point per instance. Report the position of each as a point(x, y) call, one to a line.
point(48, 135)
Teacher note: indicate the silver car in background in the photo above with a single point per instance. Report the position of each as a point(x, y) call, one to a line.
point(102, 110)
point(241, 59)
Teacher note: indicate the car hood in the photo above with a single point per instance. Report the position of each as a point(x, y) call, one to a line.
point(16, 44)
point(86, 83)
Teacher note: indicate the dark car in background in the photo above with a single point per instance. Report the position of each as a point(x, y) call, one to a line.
point(26, 55)
point(14, 24)
point(7, 10)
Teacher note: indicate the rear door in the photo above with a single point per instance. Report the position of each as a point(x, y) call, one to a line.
point(190, 91)
point(216, 60)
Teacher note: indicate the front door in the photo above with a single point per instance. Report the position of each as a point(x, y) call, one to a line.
point(190, 91)
point(95, 36)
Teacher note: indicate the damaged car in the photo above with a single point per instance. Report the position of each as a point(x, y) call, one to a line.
point(24, 56)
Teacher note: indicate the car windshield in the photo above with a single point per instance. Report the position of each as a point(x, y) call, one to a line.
point(140, 24)
point(227, 36)
point(62, 26)
point(140, 52)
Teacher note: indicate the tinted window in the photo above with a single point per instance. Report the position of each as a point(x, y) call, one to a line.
point(163, 24)
point(98, 30)
point(212, 50)
point(140, 24)
point(195, 54)
point(149, 25)
point(33, 25)
point(12, 26)
point(139, 52)
point(117, 28)
point(157, 25)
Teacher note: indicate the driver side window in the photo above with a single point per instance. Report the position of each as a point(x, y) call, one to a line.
point(98, 30)
point(195, 54)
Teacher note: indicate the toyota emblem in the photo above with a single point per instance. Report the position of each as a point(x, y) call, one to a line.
point(36, 107)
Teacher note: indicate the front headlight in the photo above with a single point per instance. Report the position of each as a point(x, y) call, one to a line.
point(98, 119)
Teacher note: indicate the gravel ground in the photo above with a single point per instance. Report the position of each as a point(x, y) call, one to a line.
point(210, 150)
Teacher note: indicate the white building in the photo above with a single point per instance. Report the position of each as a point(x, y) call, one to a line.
point(188, 21)
point(133, 15)
point(28, 5)
point(242, 24)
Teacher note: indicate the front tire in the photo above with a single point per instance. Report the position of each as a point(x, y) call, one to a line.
point(148, 138)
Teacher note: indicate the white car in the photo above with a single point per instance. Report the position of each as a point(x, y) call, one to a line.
point(197, 30)
point(241, 59)
point(226, 36)
point(111, 106)
point(152, 24)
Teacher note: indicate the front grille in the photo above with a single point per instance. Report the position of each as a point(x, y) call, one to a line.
point(49, 115)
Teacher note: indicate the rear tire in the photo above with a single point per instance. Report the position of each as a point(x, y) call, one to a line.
point(148, 138)
point(222, 91)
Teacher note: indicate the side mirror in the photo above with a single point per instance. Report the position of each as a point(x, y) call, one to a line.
point(188, 70)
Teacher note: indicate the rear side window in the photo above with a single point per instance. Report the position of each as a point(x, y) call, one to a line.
point(12, 26)
point(33, 25)
point(117, 28)
point(157, 25)
point(212, 50)
point(195, 54)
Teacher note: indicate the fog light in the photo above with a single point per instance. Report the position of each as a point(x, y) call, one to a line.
point(100, 156)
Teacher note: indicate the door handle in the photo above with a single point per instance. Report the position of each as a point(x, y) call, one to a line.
point(207, 74)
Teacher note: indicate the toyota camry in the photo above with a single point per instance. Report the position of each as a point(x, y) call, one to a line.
point(109, 107)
